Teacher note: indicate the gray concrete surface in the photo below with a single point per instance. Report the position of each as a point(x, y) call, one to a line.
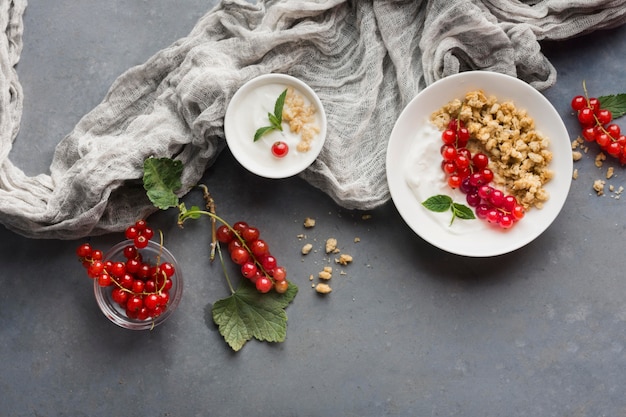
point(408, 331)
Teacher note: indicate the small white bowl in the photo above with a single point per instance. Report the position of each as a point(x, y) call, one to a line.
point(248, 111)
point(482, 240)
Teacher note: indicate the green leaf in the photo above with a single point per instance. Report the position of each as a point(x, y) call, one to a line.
point(462, 211)
point(261, 131)
point(161, 177)
point(248, 314)
point(438, 203)
point(278, 107)
point(274, 121)
point(616, 103)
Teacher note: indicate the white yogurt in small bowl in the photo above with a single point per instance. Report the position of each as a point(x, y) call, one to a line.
point(248, 111)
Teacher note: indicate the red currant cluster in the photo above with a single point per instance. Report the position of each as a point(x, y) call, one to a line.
point(139, 233)
point(253, 255)
point(140, 288)
point(597, 127)
point(471, 175)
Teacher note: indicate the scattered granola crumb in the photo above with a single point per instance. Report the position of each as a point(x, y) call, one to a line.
point(576, 156)
point(575, 144)
point(609, 173)
point(598, 186)
point(309, 222)
point(344, 259)
point(357, 239)
point(331, 245)
point(325, 275)
point(301, 236)
point(311, 277)
point(611, 188)
point(599, 159)
point(575, 174)
point(323, 288)
point(306, 249)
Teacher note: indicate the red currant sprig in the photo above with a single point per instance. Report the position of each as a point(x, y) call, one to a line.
point(472, 176)
point(596, 126)
point(141, 289)
point(252, 254)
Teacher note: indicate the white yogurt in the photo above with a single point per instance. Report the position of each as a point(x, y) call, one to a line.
point(425, 178)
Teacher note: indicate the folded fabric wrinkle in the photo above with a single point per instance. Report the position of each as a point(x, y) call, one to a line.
point(366, 59)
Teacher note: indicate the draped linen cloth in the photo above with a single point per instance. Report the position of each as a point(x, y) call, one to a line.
point(365, 59)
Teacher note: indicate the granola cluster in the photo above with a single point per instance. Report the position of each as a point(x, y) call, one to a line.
point(518, 154)
point(301, 119)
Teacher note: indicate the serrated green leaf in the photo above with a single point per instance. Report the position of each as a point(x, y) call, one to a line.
point(261, 131)
point(462, 211)
point(438, 203)
point(161, 178)
point(248, 314)
point(616, 103)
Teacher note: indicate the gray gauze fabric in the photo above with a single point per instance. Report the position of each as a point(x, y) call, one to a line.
point(365, 59)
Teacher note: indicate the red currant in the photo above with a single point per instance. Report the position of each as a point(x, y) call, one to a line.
point(239, 256)
point(448, 137)
point(240, 226)
point(248, 269)
point(131, 232)
point(280, 149)
point(105, 280)
point(95, 269)
point(279, 273)
point(224, 234)
point(84, 250)
point(250, 234)
point(151, 301)
point(268, 262)
point(586, 116)
point(578, 103)
point(281, 286)
point(141, 241)
point(259, 248)
point(604, 116)
point(264, 284)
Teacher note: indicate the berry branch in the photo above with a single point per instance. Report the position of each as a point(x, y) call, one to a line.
point(595, 115)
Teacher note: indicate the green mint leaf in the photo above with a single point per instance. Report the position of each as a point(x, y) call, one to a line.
point(616, 103)
point(278, 107)
point(438, 203)
point(462, 211)
point(274, 121)
point(248, 314)
point(161, 177)
point(261, 131)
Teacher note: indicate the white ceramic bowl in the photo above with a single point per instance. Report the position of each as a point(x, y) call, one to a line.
point(485, 240)
point(248, 110)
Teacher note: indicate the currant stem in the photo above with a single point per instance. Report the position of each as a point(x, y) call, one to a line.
point(210, 205)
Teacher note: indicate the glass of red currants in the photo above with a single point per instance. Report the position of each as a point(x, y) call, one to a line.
point(138, 283)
